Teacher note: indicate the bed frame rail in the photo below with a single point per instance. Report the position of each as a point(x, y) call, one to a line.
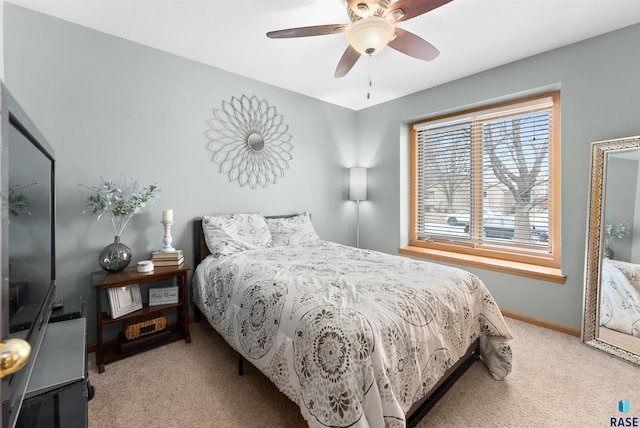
point(421, 408)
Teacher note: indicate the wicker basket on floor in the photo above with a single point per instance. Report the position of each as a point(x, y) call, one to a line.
point(143, 325)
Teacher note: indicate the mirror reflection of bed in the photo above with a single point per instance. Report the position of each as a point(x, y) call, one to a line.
point(612, 289)
point(620, 283)
point(620, 304)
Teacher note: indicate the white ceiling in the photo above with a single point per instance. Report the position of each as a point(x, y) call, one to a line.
point(472, 36)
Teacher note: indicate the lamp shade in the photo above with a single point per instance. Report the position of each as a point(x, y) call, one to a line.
point(358, 184)
point(370, 35)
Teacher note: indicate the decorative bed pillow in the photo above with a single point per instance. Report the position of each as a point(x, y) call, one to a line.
point(232, 233)
point(293, 230)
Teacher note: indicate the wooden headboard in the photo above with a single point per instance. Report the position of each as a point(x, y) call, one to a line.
point(200, 249)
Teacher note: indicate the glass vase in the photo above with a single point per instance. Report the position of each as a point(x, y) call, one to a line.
point(608, 252)
point(115, 256)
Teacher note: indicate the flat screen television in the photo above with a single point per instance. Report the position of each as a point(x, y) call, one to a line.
point(27, 251)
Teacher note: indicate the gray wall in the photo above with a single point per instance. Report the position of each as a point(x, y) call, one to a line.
point(109, 106)
point(621, 179)
point(600, 95)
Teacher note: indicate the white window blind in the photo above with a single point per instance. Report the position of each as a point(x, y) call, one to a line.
point(484, 179)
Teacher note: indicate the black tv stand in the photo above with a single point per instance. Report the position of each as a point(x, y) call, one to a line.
point(58, 389)
point(69, 309)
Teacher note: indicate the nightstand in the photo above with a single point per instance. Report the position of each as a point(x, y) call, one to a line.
point(111, 351)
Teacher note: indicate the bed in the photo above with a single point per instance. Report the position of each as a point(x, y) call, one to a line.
point(356, 338)
point(620, 309)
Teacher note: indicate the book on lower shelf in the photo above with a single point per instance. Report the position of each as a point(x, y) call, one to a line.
point(169, 262)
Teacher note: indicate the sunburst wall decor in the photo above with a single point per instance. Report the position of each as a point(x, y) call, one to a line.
point(249, 140)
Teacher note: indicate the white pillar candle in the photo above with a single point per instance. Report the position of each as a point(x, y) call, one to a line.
point(167, 215)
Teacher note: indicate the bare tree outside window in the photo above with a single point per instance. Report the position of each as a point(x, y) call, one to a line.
point(449, 169)
point(517, 153)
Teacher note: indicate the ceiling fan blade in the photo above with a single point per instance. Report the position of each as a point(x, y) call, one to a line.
point(412, 8)
point(412, 45)
point(317, 30)
point(348, 60)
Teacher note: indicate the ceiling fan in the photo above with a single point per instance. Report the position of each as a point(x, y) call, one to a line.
point(372, 27)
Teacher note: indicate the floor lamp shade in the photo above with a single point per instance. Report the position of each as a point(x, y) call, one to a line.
point(358, 184)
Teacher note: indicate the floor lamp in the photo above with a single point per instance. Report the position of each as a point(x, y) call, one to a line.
point(358, 192)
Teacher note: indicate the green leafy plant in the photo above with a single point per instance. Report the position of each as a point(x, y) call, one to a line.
point(18, 204)
point(120, 202)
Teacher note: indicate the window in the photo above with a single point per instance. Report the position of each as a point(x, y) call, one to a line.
point(486, 182)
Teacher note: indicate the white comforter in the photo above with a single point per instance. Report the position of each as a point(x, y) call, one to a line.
point(354, 337)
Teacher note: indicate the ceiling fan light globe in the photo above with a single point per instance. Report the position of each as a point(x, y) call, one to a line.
point(370, 35)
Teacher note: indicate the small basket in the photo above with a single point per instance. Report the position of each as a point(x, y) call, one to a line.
point(141, 326)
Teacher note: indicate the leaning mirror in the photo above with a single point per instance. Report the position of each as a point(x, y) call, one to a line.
point(611, 320)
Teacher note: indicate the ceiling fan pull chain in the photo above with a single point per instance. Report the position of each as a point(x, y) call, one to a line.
point(370, 83)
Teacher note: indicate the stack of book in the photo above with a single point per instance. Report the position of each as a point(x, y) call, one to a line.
point(174, 258)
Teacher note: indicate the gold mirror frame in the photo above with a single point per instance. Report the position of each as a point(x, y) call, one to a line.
point(595, 247)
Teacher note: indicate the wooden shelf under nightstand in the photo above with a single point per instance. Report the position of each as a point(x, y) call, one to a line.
point(107, 352)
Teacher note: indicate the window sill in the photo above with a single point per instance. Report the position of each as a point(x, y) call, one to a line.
point(542, 273)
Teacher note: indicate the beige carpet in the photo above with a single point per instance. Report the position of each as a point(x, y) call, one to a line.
point(556, 382)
